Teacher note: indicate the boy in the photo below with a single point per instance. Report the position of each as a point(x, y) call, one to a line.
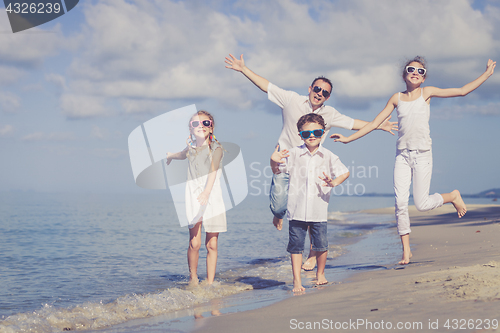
point(310, 168)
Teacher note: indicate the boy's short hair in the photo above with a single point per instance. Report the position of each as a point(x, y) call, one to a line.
point(310, 118)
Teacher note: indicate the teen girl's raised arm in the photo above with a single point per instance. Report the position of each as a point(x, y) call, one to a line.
point(372, 125)
point(430, 92)
point(239, 66)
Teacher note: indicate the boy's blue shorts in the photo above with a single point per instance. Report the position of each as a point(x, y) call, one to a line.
point(297, 235)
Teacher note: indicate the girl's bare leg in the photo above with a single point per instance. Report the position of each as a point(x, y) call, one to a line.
point(193, 253)
point(211, 244)
point(456, 199)
point(405, 241)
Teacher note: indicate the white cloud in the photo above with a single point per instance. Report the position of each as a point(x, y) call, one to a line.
point(9, 102)
point(110, 153)
point(143, 105)
point(54, 136)
point(9, 74)
point(143, 52)
point(57, 80)
point(6, 131)
point(99, 133)
point(29, 48)
point(83, 106)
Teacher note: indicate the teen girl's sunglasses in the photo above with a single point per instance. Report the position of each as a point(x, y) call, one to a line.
point(325, 93)
point(420, 71)
point(317, 133)
point(196, 123)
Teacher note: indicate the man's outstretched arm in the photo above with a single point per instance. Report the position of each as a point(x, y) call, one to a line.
point(239, 66)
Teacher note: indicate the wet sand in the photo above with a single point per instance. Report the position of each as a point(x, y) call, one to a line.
point(452, 284)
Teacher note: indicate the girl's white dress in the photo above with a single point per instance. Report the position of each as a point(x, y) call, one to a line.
point(213, 214)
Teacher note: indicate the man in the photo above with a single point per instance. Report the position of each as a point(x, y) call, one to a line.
point(293, 107)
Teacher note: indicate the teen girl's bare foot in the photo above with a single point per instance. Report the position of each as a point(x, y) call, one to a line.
point(309, 264)
point(278, 223)
point(405, 260)
point(405, 242)
point(458, 203)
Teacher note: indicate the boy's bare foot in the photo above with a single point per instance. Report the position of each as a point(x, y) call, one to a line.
point(309, 264)
point(298, 288)
point(321, 280)
point(278, 223)
point(458, 203)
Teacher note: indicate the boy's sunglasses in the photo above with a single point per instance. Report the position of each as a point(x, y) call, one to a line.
point(317, 89)
point(196, 123)
point(420, 71)
point(317, 133)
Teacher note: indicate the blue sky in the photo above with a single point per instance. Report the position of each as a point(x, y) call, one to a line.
point(72, 90)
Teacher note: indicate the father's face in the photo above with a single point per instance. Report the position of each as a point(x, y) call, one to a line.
point(317, 98)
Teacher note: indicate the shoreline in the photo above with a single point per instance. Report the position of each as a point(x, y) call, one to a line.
point(369, 248)
point(454, 278)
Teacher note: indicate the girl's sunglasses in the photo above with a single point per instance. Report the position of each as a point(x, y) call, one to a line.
point(420, 71)
point(196, 123)
point(317, 89)
point(306, 134)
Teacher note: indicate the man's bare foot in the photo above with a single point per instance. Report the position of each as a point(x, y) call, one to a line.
point(278, 223)
point(321, 280)
point(309, 264)
point(458, 203)
point(405, 260)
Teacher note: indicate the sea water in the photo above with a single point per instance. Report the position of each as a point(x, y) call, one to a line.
point(94, 261)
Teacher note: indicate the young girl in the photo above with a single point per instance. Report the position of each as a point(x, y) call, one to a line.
point(204, 203)
point(414, 154)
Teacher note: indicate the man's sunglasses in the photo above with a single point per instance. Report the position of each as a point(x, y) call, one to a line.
point(317, 89)
point(420, 71)
point(196, 123)
point(306, 134)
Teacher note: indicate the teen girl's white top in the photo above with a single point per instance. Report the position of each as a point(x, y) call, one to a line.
point(307, 198)
point(413, 122)
point(295, 106)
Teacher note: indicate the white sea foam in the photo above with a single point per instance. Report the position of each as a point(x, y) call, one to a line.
point(91, 316)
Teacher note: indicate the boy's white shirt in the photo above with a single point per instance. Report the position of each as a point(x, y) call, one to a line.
point(307, 198)
point(295, 106)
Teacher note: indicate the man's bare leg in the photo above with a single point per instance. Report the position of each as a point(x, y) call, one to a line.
point(320, 275)
point(296, 263)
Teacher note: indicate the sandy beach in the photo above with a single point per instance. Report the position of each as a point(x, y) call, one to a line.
point(451, 285)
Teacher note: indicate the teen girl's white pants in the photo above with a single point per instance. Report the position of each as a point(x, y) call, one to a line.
point(413, 165)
